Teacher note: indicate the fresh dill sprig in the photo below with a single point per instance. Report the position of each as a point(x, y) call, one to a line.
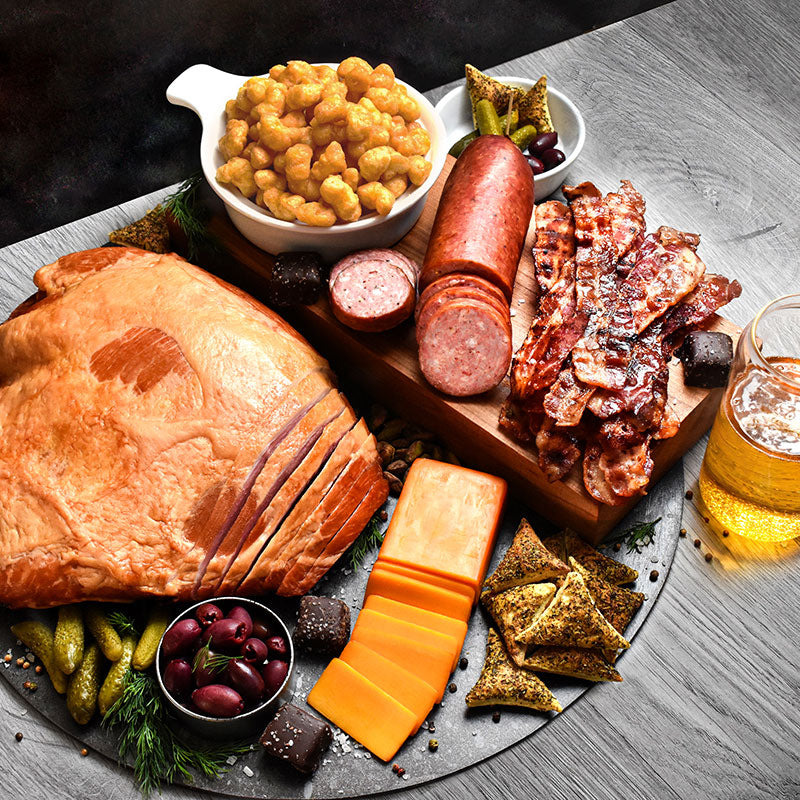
point(370, 538)
point(158, 754)
point(184, 208)
point(641, 535)
point(123, 623)
point(213, 663)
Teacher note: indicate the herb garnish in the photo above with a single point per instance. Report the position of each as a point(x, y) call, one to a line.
point(637, 537)
point(213, 663)
point(123, 623)
point(184, 208)
point(370, 538)
point(159, 755)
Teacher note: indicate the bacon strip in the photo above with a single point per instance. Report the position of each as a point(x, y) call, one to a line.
point(627, 217)
point(567, 399)
point(555, 242)
point(559, 449)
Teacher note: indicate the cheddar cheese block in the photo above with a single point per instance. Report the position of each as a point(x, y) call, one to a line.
point(427, 577)
point(431, 664)
point(362, 710)
point(419, 616)
point(417, 695)
point(383, 622)
point(418, 593)
point(446, 521)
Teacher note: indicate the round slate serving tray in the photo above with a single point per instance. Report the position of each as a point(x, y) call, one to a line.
point(466, 736)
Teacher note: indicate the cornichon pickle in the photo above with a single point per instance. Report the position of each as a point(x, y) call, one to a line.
point(514, 121)
point(68, 645)
point(487, 119)
point(38, 638)
point(111, 690)
point(523, 136)
point(461, 145)
point(83, 686)
point(145, 653)
point(103, 632)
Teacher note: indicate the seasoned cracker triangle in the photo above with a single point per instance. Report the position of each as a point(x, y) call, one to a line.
point(502, 682)
point(615, 603)
point(557, 545)
point(572, 620)
point(527, 560)
point(595, 562)
point(515, 610)
point(484, 87)
point(534, 109)
point(589, 665)
point(149, 233)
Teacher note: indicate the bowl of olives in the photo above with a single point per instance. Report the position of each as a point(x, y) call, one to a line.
point(225, 665)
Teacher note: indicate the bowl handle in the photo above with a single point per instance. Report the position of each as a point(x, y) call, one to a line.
point(199, 89)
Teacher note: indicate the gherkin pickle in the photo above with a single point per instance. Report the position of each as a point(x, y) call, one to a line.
point(68, 645)
point(38, 638)
point(488, 121)
point(145, 653)
point(83, 686)
point(111, 690)
point(523, 136)
point(458, 148)
point(103, 632)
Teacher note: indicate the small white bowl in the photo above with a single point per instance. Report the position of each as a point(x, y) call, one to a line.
point(456, 113)
point(205, 90)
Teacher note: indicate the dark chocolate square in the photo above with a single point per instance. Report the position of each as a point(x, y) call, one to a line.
point(297, 737)
point(706, 358)
point(297, 279)
point(323, 626)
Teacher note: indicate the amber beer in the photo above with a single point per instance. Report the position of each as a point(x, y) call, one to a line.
point(750, 478)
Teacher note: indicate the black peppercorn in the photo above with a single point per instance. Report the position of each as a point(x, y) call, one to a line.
point(689, 494)
point(683, 532)
point(18, 737)
point(697, 543)
point(452, 688)
point(496, 716)
point(708, 556)
point(654, 575)
point(433, 745)
point(463, 663)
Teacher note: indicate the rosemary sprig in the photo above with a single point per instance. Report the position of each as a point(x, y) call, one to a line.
point(641, 535)
point(123, 623)
point(158, 754)
point(370, 538)
point(184, 208)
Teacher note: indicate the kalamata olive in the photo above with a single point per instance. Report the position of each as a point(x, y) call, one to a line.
point(203, 675)
point(241, 614)
point(552, 158)
point(226, 634)
point(180, 638)
point(261, 630)
point(254, 651)
point(207, 614)
point(274, 674)
point(277, 648)
point(536, 165)
point(218, 700)
point(246, 679)
point(178, 677)
point(544, 141)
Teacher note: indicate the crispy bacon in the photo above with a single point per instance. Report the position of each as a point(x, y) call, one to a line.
point(627, 217)
point(613, 475)
point(555, 242)
point(567, 399)
point(670, 424)
point(559, 449)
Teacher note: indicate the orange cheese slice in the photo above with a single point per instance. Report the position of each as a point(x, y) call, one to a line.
point(418, 593)
point(446, 521)
point(416, 695)
point(362, 710)
point(419, 616)
point(427, 577)
point(430, 664)
point(383, 622)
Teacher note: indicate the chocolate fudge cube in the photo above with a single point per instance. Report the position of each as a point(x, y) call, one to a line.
point(323, 626)
point(297, 279)
point(297, 737)
point(706, 358)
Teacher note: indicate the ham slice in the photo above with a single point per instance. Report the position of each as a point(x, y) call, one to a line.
point(155, 425)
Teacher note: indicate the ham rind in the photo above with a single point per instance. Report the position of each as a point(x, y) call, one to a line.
point(261, 527)
point(567, 399)
point(559, 449)
point(255, 563)
point(627, 209)
point(555, 242)
point(308, 569)
point(272, 479)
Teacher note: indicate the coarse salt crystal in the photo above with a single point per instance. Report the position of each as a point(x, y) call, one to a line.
point(247, 771)
point(231, 760)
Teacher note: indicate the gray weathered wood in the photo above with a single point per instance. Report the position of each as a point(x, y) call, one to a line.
point(697, 103)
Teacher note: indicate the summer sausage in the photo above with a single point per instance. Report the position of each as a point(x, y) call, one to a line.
point(434, 302)
point(461, 280)
point(465, 348)
point(371, 296)
point(483, 215)
point(410, 268)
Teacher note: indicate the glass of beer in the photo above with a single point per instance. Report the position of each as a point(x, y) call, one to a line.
point(750, 478)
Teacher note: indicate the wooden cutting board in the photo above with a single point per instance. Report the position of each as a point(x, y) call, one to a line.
point(386, 364)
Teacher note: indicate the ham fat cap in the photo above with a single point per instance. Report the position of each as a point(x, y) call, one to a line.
point(138, 395)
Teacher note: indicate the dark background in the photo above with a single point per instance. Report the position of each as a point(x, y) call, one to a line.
point(84, 122)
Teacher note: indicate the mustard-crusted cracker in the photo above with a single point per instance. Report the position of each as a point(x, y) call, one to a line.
point(484, 87)
point(572, 620)
point(590, 665)
point(515, 610)
point(534, 108)
point(527, 560)
point(502, 682)
point(600, 565)
point(148, 233)
point(615, 603)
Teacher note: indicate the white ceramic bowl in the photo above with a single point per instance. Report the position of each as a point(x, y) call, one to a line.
point(205, 90)
point(456, 113)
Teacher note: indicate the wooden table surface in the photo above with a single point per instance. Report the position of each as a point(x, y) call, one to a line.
point(698, 103)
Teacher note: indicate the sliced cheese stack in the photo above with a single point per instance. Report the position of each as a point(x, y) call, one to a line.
point(409, 635)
